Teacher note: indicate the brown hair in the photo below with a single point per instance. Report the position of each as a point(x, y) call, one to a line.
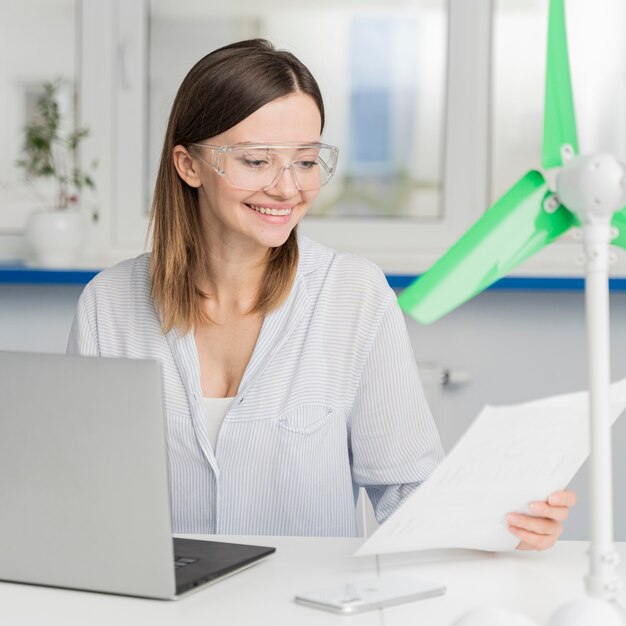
point(220, 90)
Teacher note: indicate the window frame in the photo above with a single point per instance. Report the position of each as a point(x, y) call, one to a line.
point(115, 47)
point(112, 83)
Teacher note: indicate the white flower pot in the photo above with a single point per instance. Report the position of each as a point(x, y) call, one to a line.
point(56, 238)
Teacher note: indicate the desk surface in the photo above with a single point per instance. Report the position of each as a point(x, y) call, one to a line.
point(533, 583)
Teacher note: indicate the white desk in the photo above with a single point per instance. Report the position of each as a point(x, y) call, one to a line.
point(534, 583)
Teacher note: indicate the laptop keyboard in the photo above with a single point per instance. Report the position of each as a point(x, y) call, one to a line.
point(180, 561)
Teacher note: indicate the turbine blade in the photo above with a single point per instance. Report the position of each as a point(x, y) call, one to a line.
point(619, 222)
point(559, 122)
point(510, 231)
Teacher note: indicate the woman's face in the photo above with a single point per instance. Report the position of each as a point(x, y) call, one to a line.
point(231, 214)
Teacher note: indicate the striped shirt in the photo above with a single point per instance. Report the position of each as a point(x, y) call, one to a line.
point(330, 401)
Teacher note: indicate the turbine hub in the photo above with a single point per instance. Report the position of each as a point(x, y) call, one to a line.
point(593, 187)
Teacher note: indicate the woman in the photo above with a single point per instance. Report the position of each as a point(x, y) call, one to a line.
point(289, 380)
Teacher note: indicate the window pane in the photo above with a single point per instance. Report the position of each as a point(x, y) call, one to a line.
point(597, 49)
point(37, 44)
point(382, 74)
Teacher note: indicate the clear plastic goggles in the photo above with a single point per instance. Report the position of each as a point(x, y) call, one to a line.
point(256, 167)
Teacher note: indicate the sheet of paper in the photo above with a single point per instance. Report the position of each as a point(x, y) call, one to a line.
point(509, 456)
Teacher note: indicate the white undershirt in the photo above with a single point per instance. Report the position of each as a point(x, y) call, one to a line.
point(215, 410)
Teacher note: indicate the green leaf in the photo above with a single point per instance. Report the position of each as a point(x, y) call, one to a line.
point(47, 154)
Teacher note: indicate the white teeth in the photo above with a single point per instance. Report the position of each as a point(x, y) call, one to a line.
point(267, 211)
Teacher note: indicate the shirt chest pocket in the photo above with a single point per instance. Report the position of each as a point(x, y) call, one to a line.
point(306, 419)
point(181, 437)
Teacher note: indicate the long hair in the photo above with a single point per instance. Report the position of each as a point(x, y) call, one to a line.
point(220, 90)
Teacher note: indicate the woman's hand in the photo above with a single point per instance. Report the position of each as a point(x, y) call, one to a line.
point(541, 529)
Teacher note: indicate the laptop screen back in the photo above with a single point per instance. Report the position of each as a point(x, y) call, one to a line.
point(83, 474)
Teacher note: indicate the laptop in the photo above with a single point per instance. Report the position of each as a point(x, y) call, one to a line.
point(84, 482)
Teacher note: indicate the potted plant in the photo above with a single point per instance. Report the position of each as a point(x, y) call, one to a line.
point(55, 235)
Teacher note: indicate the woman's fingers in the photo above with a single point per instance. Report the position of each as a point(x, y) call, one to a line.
point(534, 533)
point(562, 498)
point(542, 529)
point(543, 509)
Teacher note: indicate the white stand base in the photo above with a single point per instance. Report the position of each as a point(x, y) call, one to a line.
point(587, 612)
point(583, 612)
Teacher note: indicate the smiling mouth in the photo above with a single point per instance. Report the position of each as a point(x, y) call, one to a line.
point(269, 211)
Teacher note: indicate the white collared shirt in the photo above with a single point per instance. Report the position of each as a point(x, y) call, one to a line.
point(330, 401)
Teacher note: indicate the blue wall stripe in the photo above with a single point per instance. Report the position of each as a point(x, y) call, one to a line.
point(18, 273)
point(522, 283)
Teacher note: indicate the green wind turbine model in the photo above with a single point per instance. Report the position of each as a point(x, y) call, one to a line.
point(590, 193)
